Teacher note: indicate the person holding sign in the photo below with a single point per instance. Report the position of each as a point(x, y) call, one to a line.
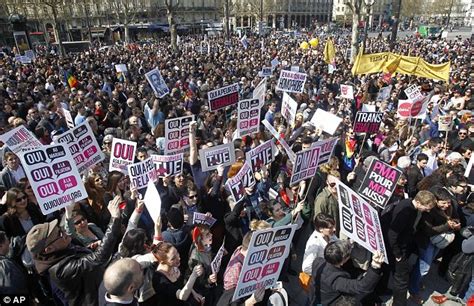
point(231, 277)
point(333, 285)
point(201, 254)
point(74, 271)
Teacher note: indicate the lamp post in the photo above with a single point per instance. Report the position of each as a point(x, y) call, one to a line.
point(368, 7)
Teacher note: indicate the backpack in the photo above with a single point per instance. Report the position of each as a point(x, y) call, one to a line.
point(459, 272)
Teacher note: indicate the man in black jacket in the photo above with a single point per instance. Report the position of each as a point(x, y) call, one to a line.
point(77, 272)
point(401, 239)
point(416, 173)
point(333, 285)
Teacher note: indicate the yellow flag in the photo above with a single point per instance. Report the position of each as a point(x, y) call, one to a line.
point(390, 62)
point(329, 52)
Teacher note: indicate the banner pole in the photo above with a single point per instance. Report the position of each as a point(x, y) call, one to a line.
point(362, 144)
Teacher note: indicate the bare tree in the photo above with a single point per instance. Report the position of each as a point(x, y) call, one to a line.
point(56, 7)
point(126, 12)
point(170, 10)
point(357, 8)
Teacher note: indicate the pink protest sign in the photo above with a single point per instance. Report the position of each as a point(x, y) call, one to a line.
point(266, 253)
point(177, 134)
point(379, 183)
point(20, 138)
point(53, 176)
point(248, 117)
point(359, 220)
point(83, 146)
point(122, 155)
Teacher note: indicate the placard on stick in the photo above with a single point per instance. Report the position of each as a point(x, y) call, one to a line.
point(379, 183)
point(360, 221)
point(267, 251)
point(367, 122)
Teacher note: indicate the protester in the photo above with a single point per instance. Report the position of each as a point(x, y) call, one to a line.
point(333, 285)
point(123, 106)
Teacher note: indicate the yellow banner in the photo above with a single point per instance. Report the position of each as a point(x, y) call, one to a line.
point(391, 62)
point(329, 52)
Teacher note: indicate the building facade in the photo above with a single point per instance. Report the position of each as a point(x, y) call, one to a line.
point(379, 12)
point(79, 17)
point(281, 14)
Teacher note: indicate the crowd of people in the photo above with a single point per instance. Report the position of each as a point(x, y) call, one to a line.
point(107, 250)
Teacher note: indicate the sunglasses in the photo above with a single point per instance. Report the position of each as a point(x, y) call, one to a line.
point(462, 133)
point(193, 196)
point(79, 221)
point(21, 199)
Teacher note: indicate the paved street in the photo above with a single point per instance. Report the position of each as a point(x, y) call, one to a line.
point(465, 32)
point(298, 297)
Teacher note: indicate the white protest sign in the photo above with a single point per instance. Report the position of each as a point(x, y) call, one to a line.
point(266, 253)
point(413, 93)
point(265, 72)
point(289, 108)
point(347, 91)
point(469, 173)
point(369, 108)
point(152, 201)
point(141, 173)
point(262, 155)
point(223, 97)
point(83, 146)
point(122, 155)
point(259, 91)
point(168, 165)
point(212, 157)
point(121, 68)
point(384, 93)
point(327, 148)
point(68, 117)
point(326, 121)
point(177, 134)
point(157, 83)
point(275, 62)
point(359, 220)
point(295, 68)
point(280, 139)
point(236, 185)
point(200, 218)
point(445, 123)
point(20, 138)
point(248, 117)
point(305, 165)
point(290, 81)
point(216, 262)
point(30, 54)
point(53, 176)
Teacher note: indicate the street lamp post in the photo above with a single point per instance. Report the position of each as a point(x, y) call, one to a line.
point(368, 5)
